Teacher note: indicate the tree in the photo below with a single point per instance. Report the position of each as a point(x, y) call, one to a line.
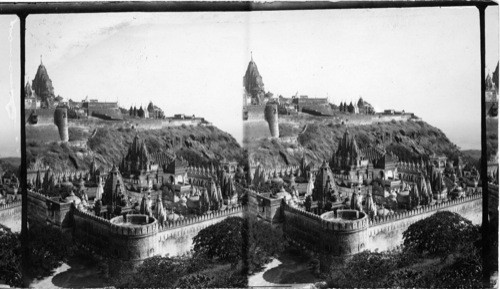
point(308, 203)
point(440, 234)
point(158, 272)
point(182, 272)
point(49, 247)
point(10, 256)
point(365, 269)
point(221, 241)
point(195, 281)
point(236, 239)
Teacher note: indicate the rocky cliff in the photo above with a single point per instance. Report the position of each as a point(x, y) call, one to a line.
point(318, 139)
point(199, 145)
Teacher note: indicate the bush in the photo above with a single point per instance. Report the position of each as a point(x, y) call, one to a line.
point(441, 234)
point(10, 256)
point(236, 239)
point(49, 248)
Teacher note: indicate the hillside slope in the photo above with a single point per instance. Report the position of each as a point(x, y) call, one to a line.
point(318, 139)
point(108, 144)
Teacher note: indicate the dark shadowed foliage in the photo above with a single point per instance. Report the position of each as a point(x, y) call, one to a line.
point(10, 258)
point(440, 234)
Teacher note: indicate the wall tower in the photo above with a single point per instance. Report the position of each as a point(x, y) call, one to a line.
point(61, 120)
point(271, 115)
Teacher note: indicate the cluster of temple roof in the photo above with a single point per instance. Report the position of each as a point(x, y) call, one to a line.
point(160, 184)
point(370, 180)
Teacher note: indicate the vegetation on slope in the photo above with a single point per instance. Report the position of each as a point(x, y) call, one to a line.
point(10, 164)
point(223, 255)
point(199, 145)
point(318, 139)
point(446, 255)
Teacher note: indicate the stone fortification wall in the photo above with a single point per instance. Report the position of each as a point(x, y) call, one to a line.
point(254, 112)
point(132, 242)
point(90, 229)
point(339, 235)
point(363, 119)
point(355, 119)
point(42, 209)
point(345, 237)
point(136, 242)
point(10, 215)
point(45, 116)
point(255, 129)
point(344, 232)
point(386, 232)
point(148, 124)
point(125, 242)
point(264, 207)
point(303, 227)
point(177, 238)
point(255, 125)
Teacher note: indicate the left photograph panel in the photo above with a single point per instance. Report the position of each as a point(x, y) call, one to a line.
point(10, 152)
point(133, 150)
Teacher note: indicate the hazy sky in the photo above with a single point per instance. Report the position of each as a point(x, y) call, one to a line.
point(425, 61)
point(9, 86)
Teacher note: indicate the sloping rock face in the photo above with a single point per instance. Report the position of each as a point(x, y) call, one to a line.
point(199, 145)
point(409, 141)
point(42, 85)
point(252, 81)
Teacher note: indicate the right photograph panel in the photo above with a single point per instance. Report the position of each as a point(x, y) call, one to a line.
point(363, 132)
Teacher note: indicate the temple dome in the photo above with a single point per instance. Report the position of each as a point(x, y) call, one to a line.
point(42, 84)
point(252, 81)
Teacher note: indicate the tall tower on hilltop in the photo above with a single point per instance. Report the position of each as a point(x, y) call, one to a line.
point(61, 121)
point(271, 115)
point(42, 85)
point(252, 81)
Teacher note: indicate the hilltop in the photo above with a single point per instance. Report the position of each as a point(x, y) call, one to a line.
point(10, 164)
point(108, 143)
point(317, 138)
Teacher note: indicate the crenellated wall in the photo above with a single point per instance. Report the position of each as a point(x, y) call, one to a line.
point(10, 215)
point(131, 238)
point(386, 232)
point(90, 229)
point(132, 241)
point(176, 238)
point(342, 234)
point(134, 237)
point(339, 233)
point(264, 207)
point(43, 209)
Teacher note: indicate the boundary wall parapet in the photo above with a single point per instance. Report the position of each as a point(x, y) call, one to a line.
point(198, 219)
point(341, 224)
point(377, 220)
point(136, 230)
point(10, 205)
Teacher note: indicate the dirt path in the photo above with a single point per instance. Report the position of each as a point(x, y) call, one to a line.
point(76, 273)
point(288, 270)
